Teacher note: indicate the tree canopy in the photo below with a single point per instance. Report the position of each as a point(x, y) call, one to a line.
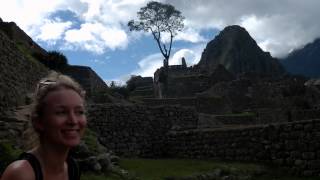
point(159, 18)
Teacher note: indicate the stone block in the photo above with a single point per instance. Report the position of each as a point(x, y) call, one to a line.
point(308, 173)
point(299, 163)
point(314, 165)
point(308, 127)
point(308, 155)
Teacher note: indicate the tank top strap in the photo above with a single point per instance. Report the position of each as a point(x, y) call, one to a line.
point(35, 164)
point(73, 169)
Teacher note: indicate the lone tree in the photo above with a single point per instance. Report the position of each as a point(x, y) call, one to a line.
point(159, 18)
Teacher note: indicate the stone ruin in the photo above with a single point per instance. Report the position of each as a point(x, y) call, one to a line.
point(233, 76)
point(242, 110)
point(192, 112)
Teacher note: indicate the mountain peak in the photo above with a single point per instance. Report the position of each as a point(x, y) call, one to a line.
point(234, 30)
point(235, 49)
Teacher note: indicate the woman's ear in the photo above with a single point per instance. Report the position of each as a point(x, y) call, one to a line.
point(37, 124)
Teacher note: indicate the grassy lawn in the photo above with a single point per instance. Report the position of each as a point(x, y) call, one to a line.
point(161, 168)
point(99, 177)
point(158, 169)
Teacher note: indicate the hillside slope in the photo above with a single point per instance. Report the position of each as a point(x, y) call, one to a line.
point(19, 74)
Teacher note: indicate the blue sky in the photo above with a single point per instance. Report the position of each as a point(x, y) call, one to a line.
point(94, 32)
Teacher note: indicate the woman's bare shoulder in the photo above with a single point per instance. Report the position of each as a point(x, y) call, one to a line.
point(18, 170)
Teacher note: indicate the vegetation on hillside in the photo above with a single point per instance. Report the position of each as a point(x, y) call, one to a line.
point(53, 60)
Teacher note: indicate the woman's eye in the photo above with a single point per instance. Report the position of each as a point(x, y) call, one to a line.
point(80, 112)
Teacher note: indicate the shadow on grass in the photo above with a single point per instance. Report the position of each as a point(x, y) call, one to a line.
point(189, 169)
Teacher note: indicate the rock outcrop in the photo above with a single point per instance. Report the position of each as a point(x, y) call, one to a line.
point(235, 49)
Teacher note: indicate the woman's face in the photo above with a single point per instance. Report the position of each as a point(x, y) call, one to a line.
point(63, 121)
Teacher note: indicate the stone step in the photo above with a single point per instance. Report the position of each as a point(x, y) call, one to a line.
point(144, 88)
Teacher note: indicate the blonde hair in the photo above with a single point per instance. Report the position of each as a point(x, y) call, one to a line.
point(53, 82)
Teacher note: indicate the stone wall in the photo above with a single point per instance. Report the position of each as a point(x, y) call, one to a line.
point(141, 87)
point(294, 145)
point(179, 81)
point(11, 129)
point(298, 115)
point(209, 105)
point(18, 74)
point(186, 86)
point(138, 130)
point(88, 79)
point(170, 101)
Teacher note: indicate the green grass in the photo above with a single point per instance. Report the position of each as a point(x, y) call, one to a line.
point(158, 169)
point(99, 177)
point(91, 140)
point(25, 51)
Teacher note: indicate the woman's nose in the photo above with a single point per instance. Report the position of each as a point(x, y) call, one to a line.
point(72, 118)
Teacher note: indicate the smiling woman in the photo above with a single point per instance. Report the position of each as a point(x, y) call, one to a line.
point(59, 119)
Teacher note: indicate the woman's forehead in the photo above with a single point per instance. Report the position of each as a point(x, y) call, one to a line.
point(63, 97)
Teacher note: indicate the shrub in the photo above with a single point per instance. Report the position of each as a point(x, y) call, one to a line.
point(117, 90)
point(54, 60)
point(7, 155)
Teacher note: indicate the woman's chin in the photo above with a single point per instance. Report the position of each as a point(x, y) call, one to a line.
point(72, 143)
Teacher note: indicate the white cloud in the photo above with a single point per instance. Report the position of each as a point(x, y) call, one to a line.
point(191, 56)
point(114, 38)
point(104, 25)
point(29, 16)
point(120, 11)
point(149, 65)
point(188, 34)
point(98, 61)
point(280, 40)
point(53, 30)
point(96, 37)
point(79, 35)
point(110, 17)
point(277, 26)
point(93, 10)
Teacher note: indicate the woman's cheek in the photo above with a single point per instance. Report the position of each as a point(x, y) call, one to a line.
point(83, 125)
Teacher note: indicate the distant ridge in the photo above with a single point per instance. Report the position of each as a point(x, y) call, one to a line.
point(238, 52)
point(304, 61)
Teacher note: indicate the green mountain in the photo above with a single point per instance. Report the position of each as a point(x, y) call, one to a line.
point(235, 49)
